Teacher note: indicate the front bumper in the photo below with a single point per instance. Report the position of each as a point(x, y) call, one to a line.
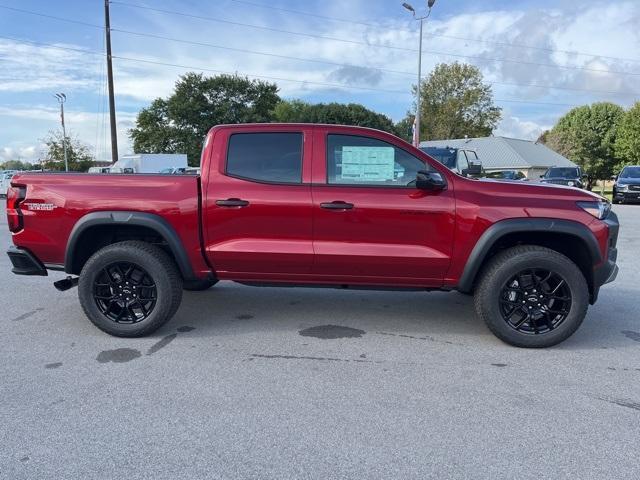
point(25, 263)
point(608, 271)
point(627, 196)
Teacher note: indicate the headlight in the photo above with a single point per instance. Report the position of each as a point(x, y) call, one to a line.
point(599, 209)
point(622, 188)
point(571, 184)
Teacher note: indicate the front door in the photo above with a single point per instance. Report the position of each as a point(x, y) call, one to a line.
point(371, 225)
point(258, 204)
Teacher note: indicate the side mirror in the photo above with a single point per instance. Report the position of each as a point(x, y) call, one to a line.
point(430, 181)
point(474, 169)
point(614, 177)
point(584, 176)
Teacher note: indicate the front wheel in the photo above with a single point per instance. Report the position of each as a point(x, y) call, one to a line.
point(130, 289)
point(531, 296)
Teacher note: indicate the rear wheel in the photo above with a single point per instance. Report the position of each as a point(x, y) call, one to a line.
point(130, 289)
point(531, 296)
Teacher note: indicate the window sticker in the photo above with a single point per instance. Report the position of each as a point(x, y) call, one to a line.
point(368, 164)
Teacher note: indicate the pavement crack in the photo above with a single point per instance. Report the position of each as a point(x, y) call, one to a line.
point(163, 342)
point(24, 316)
point(622, 403)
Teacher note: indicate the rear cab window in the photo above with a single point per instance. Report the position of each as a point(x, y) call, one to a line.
point(271, 157)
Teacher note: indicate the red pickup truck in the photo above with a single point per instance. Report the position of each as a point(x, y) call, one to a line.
point(324, 205)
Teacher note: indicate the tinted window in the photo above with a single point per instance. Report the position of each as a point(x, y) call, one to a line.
point(463, 164)
point(353, 160)
point(445, 156)
point(266, 157)
point(630, 172)
point(472, 156)
point(562, 173)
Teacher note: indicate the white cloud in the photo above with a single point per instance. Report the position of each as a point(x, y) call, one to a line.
point(39, 120)
point(516, 127)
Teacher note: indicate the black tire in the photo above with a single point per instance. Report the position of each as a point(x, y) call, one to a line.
point(161, 273)
point(503, 268)
point(198, 285)
point(614, 201)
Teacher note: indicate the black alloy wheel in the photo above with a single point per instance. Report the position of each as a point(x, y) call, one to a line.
point(124, 292)
point(535, 301)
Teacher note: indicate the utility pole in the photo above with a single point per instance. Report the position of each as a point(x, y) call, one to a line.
point(61, 99)
point(416, 137)
point(112, 103)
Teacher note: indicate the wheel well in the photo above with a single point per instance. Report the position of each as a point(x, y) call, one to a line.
point(99, 236)
point(569, 245)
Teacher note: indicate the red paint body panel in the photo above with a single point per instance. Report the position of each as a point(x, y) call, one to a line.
point(45, 233)
point(392, 236)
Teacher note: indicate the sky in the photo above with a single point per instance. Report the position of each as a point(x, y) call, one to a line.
point(541, 57)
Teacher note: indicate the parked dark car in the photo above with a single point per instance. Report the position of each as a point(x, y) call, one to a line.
point(627, 186)
point(570, 176)
point(507, 175)
point(464, 162)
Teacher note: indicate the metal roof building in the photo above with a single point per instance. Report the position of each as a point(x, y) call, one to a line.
point(503, 153)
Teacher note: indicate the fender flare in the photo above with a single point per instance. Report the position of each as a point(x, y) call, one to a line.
point(522, 225)
point(148, 220)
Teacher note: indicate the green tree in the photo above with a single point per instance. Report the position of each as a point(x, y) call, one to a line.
point(16, 165)
point(586, 135)
point(405, 128)
point(332, 113)
point(627, 143)
point(78, 156)
point(456, 103)
point(179, 123)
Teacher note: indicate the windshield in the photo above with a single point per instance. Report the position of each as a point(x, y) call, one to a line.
point(562, 173)
point(630, 172)
point(446, 156)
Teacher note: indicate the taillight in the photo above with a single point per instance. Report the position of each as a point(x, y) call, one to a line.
point(15, 195)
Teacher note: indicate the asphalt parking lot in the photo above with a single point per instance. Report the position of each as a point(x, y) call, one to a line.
point(241, 385)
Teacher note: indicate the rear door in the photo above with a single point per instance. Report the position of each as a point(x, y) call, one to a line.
point(371, 225)
point(257, 208)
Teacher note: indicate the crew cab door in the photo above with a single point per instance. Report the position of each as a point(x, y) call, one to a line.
point(371, 225)
point(257, 209)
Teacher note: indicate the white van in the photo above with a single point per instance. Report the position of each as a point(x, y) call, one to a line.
point(5, 181)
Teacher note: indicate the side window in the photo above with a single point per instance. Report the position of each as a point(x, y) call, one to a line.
point(463, 164)
point(355, 160)
point(266, 157)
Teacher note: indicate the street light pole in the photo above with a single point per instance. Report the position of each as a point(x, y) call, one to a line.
point(430, 3)
point(61, 99)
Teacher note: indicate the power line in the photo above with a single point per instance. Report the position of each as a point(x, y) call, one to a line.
point(51, 45)
point(453, 37)
point(399, 72)
point(266, 77)
point(338, 85)
point(310, 82)
point(531, 47)
point(62, 19)
point(261, 27)
point(254, 52)
point(377, 45)
point(448, 54)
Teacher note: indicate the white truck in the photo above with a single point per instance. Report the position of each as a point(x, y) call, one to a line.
point(149, 162)
point(5, 181)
